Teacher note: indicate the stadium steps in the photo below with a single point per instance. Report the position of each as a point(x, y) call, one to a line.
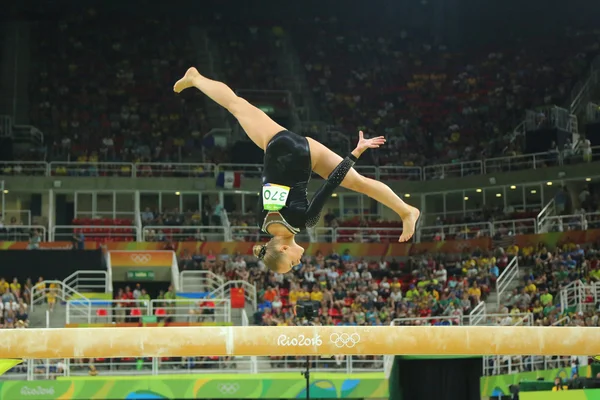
point(57, 317)
point(491, 302)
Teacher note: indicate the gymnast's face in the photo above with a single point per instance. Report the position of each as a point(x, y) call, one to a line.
point(291, 256)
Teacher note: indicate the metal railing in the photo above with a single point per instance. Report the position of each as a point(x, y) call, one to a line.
point(29, 168)
point(455, 170)
point(173, 170)
point(184, 233)
point(455, 231)
point(193, 310)
point(572, 222)
point(200, 281)
point(88, 281)
point(572, 296)
point(429, 321)
point(224, 291)
point(477, 315)
point(506, 278)
point(24, 233)
point(522, 162)
point(515, 227)
point(86, 311)
point(193, 170)
point(548, 211)
point(367, 235)
point(32, 370)
point(70, 233)
point(43, 291)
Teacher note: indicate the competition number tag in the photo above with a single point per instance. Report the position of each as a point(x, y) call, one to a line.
point(274, 196)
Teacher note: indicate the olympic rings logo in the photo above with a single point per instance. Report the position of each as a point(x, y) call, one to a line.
point(228, 388)
point(141, 258)
point(344, 340)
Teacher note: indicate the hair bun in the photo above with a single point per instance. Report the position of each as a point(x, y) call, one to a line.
point(256, 249)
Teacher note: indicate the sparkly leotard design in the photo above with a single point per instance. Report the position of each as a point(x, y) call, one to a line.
point(287, 162)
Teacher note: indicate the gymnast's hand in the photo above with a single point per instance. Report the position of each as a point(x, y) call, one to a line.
point(364, 144)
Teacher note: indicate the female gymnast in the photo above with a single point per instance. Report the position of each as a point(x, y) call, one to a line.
point(288, 163)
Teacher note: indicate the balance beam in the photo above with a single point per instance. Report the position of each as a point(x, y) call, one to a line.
point(297, 340)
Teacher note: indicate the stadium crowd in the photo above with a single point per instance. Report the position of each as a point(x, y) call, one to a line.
point(108, 102)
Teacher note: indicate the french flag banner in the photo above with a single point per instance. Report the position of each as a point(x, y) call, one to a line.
point(229, 179)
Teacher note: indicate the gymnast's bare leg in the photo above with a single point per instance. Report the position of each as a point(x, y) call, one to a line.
point(261, 128)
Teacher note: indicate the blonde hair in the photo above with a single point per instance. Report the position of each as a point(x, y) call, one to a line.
point(269, 253)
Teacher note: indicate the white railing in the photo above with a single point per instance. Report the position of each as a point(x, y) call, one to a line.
point(524, 319)
point(189, 170)
point(367, 235)
point(106, 311)
point(573, 222)
point(506, 278)
point(515, 227)
point(174, 170)
point(429, 321)
point(477, 315)
point(70, 233)
point(91, 169)
point(548, 211)
point(88, 281)
point(193, 310)
point(456, 170)
point(24, 233)
point(30, 168)
point(502, 365)
point(22, 217)
point(455, 232)
point(41, 291)
point(522, 162)
point(572, 296)
point(184, 233)
point(224, 291)
point(129, 367)
point(199, 281)
point(255, 234)
point(385, 173)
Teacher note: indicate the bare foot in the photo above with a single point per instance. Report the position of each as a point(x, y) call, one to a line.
point(187, 81)
point(408, 224)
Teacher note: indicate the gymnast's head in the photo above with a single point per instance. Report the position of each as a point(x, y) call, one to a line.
point(279, 255)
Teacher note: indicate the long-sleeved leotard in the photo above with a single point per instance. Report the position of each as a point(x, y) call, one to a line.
point(287, 164)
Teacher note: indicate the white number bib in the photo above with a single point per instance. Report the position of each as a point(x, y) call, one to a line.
point(274, 196)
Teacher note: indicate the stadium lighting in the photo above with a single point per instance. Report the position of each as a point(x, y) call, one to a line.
point(177, 193)
point(513, 187)
point(498, 194)
point(334, 195)
point(407, 195)
point(588, 179)
point(549, 183)
point(478, 190)
point(466, 198)
point(5, 191)
point(533, 191)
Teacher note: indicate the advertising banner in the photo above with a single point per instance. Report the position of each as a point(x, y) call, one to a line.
point(213, 386)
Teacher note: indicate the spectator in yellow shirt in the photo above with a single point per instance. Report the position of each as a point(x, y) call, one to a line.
point(475, 292)
point(293, 296)
point(3, 286)
point(316, 294)
point(530, 288)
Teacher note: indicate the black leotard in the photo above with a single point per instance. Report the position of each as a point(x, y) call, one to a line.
point(287, 162)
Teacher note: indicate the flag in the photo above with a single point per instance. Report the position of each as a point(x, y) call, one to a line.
point(229, 179)
point(237, 298)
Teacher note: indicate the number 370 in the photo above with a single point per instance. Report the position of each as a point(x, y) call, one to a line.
point(276, 195)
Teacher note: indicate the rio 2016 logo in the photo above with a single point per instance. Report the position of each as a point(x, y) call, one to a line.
point(300, 340)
